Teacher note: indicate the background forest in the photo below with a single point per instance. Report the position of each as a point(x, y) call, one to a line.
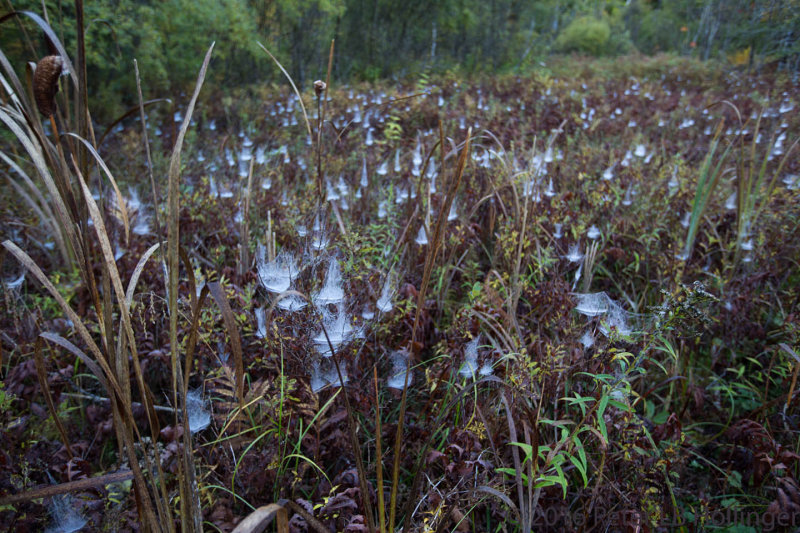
point(378, 39)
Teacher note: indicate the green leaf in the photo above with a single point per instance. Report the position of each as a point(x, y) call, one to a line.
point(556, 423)
point(729, 503)
point(549, 480)
point(581, 450)
point(513, 473)
point(660, 418)
point(619, 405)
point(600, 420)
point(562, 478)
point(581, 468)
point(527, 448)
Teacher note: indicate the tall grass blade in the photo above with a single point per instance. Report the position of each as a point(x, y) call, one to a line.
point(258, 520)
point(706, 184)
point(149, 158)
point(126, 338)
point(39, 205)
point(41, 374)
point(233, 332)
point(294, 87)
point(120, 199)
point(82, 94)
point(379, 457)
point(35, 152)
point(122, 412)
point(191, 516)
point(98, 372)
point(430, 259)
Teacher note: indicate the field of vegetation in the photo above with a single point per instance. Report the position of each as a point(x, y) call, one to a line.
point(564, 300)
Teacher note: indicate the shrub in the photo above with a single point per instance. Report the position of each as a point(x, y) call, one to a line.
point(658, 30)
point(586, 35)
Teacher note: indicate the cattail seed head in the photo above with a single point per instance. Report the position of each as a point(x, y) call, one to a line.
point(319, 87)
point(45, 83)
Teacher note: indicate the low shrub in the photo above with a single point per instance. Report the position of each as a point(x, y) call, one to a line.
point(587, 35)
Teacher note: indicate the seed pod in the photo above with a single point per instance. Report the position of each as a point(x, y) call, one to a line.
point(319, 87)
point(45, 83)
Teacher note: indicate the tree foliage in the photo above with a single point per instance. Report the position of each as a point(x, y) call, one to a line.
point(585, 34)
point(380, 38)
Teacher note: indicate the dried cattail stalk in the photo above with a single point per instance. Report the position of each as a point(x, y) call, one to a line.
point(45, 83)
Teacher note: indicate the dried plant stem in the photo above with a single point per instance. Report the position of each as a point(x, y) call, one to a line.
point(786, 348)
point(48, 491)
point(191, 515)
point(271, 244)
point(379, 456)
point(244, 257)
point(588, 265)
point(430, 259)
point(351, 426)
point(149, 159)
point(291, 81)
point(100, 399)
point(320, 181)
point(41, 373)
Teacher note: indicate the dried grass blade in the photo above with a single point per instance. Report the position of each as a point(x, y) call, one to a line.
point(258, 520)
point(80, 354)
point(112, 274)
point(111, 382)
point(500, 496)
point(236, 346)
point(430, 259)
point(423, 452)
point(15, 84)
point(129, 113)
point(46, 213)
point(41, 167)
point(82, 94)
point(379, 456)
point(187, 265)
point(120, 199)
point(288, 77)
point(191, 515)
point(173, 234)
point(308, 517)
point(128, 340)
point(137, 272)
point(41, 374)
point(34, 269)
point(192, 340)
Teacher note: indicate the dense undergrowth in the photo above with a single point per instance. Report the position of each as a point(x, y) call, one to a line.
point(607, 335)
